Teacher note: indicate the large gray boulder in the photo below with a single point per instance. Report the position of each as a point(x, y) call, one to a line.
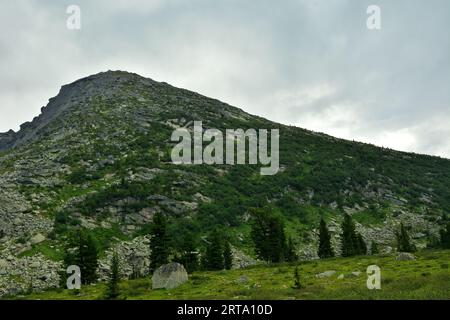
point(169, 276)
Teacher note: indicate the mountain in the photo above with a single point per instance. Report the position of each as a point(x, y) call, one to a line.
point(98, 157)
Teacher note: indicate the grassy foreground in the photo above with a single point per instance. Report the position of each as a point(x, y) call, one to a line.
point(428, 277)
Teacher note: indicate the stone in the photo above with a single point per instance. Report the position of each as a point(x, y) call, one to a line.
point(405, 256)
point(326, 274)
point(243, 279)
point(356, 273)
point(341, 276)
point(38, 238)
point(169, 276)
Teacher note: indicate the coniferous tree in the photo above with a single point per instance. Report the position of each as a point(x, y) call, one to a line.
point(227, 256)
point(374, 248)
point(297, 282)
point(114, 278)
point(289, 251)
point(189, 256)
point(85, 257)
point(349, 238)
point(213, 259)
point(325, 249)
point(361, 247)
point(404, 243)
point(159, 247)
point(268, 235)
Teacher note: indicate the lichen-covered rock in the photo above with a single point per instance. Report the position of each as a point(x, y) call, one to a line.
point(169, 276)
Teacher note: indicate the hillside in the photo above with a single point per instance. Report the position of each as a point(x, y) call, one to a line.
point(98, 156)
point(425, 278)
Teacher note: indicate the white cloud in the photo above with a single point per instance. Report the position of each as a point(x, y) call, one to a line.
point(308, 63)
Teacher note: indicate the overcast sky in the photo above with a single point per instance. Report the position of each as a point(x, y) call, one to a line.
point(311, 63)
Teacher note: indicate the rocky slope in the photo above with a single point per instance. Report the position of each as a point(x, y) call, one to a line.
point(98, 157)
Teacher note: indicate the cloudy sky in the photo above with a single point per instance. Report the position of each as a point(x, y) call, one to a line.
point(311, 63)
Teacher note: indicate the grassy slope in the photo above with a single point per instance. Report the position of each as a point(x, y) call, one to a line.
point(428, 277)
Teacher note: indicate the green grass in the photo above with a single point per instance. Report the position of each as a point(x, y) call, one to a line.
point(428, 277)
point(49, 249)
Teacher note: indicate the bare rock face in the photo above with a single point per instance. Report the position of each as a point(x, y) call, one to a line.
point(169, 276)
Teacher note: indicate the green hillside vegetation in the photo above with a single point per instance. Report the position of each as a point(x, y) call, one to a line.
point(428, 277)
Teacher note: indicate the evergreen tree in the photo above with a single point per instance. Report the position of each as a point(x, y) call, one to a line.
point(289, 251)
point(445, 237)
point(227, 256)
point(349, 237)
point(159, 248)
point(325, 249)
point(404, 243)
point(374, 248)
point(268, 235)
point(361, 247)
point(114, 278)
point(189, 256)
point(297, 282)
point(85, 256)
point(213, 259)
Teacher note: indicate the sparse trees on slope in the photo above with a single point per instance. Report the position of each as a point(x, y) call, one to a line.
point(325, 249)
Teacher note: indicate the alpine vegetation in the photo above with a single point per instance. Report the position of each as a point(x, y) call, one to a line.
point(234, 139)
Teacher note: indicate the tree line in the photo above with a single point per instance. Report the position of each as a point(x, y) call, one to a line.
point(268, 234)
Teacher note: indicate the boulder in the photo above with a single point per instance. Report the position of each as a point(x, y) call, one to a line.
point(405, 256)
point(38, 238)
point(169, 276)
point(325, 274)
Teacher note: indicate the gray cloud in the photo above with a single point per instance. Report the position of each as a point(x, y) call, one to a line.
point(308, 63)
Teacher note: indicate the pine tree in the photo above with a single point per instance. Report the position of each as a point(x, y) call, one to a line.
point(297, 282)
point(404, 243)
point(114, 278)
point(374, 248)
point(268, 235)
point(213, 259)
point(159, 248)
point(85, 256)
point(227, 256)
point(189, 256)
point(361, 247)
point(289, 251)
point(349, 238)
point(325, 249)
